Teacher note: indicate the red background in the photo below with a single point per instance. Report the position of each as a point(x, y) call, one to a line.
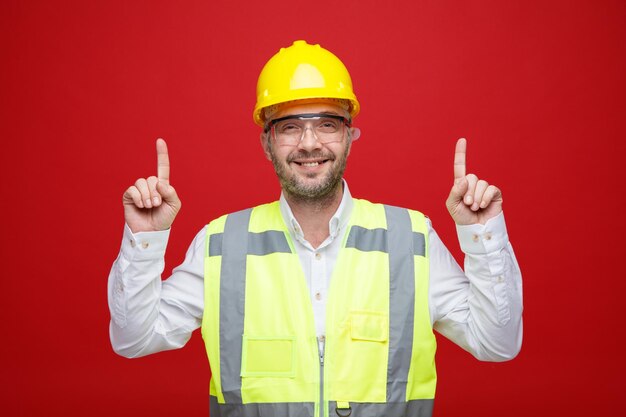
point(537, 87)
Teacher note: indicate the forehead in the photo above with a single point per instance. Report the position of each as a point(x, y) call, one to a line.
point(289, 109)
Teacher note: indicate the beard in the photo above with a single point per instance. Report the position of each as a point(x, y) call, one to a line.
point(319, 191)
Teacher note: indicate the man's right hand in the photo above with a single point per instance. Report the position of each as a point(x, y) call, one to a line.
point(152, 204)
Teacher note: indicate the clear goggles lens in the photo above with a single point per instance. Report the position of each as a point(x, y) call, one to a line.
point(290, 130)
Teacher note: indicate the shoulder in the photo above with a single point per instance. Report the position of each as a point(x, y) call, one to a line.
point(368, 210)
point(366, 205)
point(263, 210)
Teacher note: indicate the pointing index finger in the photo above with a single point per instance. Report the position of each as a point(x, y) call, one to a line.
point(459, 158)
point(163, 161)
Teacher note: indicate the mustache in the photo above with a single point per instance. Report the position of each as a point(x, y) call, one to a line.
point(300, 154)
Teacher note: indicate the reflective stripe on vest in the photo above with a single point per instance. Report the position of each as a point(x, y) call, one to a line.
point(259, 329)
point(412, 408)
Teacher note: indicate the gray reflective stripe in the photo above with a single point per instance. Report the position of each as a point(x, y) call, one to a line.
point(401, 301)
point(412, 408)
point(260, 409)
point(260, 244)
point(215, 244)
point(419, 244)
point(268, 242)
point(367, 240)
point(232, 302)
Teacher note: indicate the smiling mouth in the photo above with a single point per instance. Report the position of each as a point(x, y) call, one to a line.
point(310, 163)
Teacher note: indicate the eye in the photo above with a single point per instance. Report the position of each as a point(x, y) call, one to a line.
point(288, 128)
point(329, 125)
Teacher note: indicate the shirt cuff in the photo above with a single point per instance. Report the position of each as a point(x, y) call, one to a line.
point(144, 245)
point(481, 239)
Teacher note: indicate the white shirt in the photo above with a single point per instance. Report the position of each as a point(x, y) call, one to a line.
point(479, 310)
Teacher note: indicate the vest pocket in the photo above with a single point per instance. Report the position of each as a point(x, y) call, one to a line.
point(268, 356)
point(369, 325)
point(359, 353)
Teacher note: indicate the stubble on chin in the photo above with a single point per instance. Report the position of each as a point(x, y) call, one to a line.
point(321, 193)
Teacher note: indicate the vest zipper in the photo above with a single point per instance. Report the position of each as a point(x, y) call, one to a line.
point(320, 349)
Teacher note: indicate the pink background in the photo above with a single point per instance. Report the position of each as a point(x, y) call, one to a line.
point(537, 87)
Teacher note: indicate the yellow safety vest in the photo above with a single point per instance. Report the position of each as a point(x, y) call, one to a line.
point(259, 329)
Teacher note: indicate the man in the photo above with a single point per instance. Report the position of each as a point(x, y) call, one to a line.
point(317, 304)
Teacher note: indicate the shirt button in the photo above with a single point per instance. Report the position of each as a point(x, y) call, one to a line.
point(487, 236)
point(322, 338)
point(318, 296)
point(132, 243)
point(475, 238)
point(318, 256)
point(145, 245)
point(500, 278)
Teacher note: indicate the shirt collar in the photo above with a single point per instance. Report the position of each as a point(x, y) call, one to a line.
point(337, 223)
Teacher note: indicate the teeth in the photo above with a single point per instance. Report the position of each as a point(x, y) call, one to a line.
point(310, 164)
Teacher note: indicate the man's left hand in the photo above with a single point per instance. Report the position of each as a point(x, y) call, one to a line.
point(471, 200)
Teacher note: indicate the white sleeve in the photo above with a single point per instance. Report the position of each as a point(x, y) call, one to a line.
point(149, 315)
point(479, 309)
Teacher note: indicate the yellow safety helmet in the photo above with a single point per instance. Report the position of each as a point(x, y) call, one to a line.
point(303, 71)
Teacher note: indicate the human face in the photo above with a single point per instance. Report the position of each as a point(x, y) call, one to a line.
point(309, 170)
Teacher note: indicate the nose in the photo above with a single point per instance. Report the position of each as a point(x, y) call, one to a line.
point(309, 141)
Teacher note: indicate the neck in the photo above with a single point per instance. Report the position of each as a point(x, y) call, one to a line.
point(314, 214)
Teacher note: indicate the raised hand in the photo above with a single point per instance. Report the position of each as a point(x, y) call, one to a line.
point(471, 200)
point(152, 204)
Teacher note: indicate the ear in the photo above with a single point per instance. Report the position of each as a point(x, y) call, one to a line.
point(356, 133)
point(265, 143)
